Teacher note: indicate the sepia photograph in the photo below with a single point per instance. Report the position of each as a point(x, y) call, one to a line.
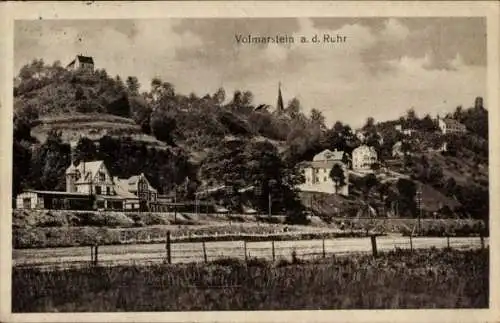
point(186, 164)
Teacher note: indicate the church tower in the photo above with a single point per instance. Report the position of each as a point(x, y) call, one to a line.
point(279, 104)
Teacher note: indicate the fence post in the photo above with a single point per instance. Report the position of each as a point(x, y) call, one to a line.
point(482, 241)
point(411, 243)
point(204, 251)
point(324, 253)
point(245, 249)
point(272, 245)
point(374, 245)
point(91, 254)
point(96, 254)
point(169, 248)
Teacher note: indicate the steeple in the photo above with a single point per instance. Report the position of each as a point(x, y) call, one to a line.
point(279, 104)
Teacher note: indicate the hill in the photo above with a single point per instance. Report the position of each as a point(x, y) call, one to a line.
point(214, 140)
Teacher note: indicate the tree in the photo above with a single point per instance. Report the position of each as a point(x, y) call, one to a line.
point(85, 151)
point(163, 125)
point(406, 202)
point(133, 85)
point(369, 181)
point(370, 124)
point(21, 166)
point(427, 124)
point(435, 173)
point(383, 190)
point(219, 96)
point(50, 161)
point(337, 176)
point(293, 108)
point(317, 119)
point(450, 186)
point(375, 166)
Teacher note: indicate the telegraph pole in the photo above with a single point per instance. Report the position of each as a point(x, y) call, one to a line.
point(419, 205)
point(269, 203)
point(175, 205)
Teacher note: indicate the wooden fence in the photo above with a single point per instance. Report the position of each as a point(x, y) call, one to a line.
point(200, 251)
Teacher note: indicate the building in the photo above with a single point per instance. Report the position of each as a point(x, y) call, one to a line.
point(449, 125)
point(83, 63)
point(89, 185)
point(363, 158)
point(37, 199)
point(397, 150)
point(409, 132)
point(317, 173)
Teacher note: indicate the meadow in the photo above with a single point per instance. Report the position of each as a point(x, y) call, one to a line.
point(432, 278)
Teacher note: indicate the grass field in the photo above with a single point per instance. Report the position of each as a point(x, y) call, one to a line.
point(399, 279)
point(50, 228)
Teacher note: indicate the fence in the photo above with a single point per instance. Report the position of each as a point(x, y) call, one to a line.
point(204, 251)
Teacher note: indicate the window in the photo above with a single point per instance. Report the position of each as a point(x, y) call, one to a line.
point(108, 190)
point(27, 203)
point(98, 190)
point(102, 177)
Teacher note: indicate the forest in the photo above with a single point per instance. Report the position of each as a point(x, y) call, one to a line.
point(238, 141)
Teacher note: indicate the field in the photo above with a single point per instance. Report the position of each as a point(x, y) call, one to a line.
point(432, 278)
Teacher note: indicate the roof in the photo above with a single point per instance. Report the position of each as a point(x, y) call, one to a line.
point(87, 169)
point(364, 148)
point(122, 189)
point(130, 184)
point(329, 155)
point(56, 193)
point(85, 59)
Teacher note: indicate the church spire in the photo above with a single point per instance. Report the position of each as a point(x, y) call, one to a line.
point(279, 105)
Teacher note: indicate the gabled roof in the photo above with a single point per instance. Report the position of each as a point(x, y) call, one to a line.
point(87, 170)
point(329, 155)
point(131, 183)
point(85, 59)
point(122, 189)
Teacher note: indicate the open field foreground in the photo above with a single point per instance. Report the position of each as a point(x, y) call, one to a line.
point(402, 279)
point(185, 252)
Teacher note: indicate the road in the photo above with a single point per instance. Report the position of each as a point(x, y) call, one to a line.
point(193, 252)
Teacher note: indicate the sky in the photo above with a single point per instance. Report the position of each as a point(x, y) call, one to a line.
point(385, 66)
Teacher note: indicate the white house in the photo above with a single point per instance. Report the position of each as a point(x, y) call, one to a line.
point(317, 173)
point(449, 125)
point(363, 158)
point(81, 62)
